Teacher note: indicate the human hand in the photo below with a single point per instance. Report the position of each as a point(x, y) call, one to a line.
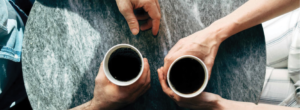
point(109, 96)
point(152, 14)
point(210, 101)
point(202, 44)
point(204, 101)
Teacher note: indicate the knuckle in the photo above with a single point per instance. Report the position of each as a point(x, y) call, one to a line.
point(142, 82)
point(147, 82)
point(181, 41)
point(165, 91)
point(97, 80)
point(148, 1)
point(172, 96)
point(178, 100)
point(131, 21)
point(168, 58)
point(210, 63)
point(123, 98)
point(179, 104)
point(147, 68)
point(124, 9)
point(158, 16)
point(194, 45)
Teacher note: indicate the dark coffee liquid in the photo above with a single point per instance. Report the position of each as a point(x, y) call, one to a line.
point(124, 64)
point(187, 75)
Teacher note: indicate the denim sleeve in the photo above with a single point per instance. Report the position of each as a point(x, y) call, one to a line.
point(3, 17)
point(11, 31)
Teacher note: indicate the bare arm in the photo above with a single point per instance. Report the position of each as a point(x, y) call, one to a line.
point(234, 105)
point(86, 106)
point(252, 13)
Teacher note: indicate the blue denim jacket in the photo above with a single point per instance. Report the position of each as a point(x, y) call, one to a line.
point(11, 30)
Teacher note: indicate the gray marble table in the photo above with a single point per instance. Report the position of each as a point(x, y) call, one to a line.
point(65, 41)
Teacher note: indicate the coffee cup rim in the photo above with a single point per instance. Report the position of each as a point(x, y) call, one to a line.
point(106, 70)
point(200, 89)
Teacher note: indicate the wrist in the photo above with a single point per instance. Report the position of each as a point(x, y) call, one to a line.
point(224, 104)
point(220, 103)
point(90, 105)
point(93, 105)
point(97, 105)
point(223, 29)
point(104, 105)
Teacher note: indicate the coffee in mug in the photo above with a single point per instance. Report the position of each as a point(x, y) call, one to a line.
point(123, 64)
point(187, 76)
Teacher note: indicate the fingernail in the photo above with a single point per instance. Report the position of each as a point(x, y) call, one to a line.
point(156, 35)
point(134, 31)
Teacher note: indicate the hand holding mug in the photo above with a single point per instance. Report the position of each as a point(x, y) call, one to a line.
point(202, 44)
point(204, 101)
point(110, 96)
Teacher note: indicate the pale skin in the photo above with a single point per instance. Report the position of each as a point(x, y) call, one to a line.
point(203, 44)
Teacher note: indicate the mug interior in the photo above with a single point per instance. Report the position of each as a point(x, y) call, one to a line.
point(107, 72)
point(200, 89)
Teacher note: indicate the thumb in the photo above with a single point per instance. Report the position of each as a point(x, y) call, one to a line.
point(101, 76)
point(126, 9)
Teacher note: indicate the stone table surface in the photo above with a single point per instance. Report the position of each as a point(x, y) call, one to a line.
point(66, 40)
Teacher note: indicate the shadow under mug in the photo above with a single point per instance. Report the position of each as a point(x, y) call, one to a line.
point(106, 68)
point(200, 89)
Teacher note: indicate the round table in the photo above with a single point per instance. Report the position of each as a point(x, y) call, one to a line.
point(66, 40)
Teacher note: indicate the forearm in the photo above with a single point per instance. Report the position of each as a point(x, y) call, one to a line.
point(250, 14)
point(234, 105)
point(86, 106)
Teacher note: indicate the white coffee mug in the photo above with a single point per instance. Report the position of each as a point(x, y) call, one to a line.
point(107, 72)
point(200, 89)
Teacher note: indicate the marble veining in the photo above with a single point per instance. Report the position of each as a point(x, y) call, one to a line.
point(66, 40)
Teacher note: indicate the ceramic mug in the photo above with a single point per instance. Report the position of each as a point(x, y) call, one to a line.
point(201, 88)
point(107, 72)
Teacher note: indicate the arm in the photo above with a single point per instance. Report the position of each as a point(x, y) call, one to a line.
point(234, 105)
point(86, 106)
point(252, 13)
